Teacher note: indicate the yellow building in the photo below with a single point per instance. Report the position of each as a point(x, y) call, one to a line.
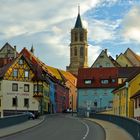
point(119, 102)
point(122, 104)
point(40, 81)
point(128, 59)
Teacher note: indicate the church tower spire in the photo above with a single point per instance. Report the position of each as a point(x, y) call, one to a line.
point(78, 23)
point(78, 47)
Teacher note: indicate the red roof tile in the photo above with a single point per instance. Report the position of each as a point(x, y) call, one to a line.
point(96, 75)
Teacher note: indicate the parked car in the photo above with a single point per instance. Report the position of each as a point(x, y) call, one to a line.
point(30, 115)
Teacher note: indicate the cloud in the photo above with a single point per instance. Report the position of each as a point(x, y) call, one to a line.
point(101, 30)
point(131, 24)
point(93, 52)
point(45, 24)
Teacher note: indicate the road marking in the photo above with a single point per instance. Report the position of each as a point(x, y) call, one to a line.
point(87, 127)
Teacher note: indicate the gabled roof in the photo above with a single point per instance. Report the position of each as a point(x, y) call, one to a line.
point(102, 56)
point(116, 64)
point(5, 68)
point(78, 23)
point(129, 72)
point(96, 75)
point(6, 44)
point(126, 58)
point(133, 74)
point(35, 69)
point(134, 54)
point(69, 77)
point(53, 73)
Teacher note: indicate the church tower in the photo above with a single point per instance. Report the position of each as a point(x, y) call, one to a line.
point(78, 47)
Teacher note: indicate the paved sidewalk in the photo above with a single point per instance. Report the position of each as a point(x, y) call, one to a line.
point(20, 127)
point(113, 132)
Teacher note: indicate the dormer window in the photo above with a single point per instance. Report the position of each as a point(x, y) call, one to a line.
point(104, 81)
point(88, 81)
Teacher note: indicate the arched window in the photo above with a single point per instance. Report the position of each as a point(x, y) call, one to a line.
point(81, 36)
point(75, 36)
point(81, 51)
point(75, 51)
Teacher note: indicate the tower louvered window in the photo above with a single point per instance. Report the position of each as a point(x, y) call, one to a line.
point(81, 51)
point(75, 51)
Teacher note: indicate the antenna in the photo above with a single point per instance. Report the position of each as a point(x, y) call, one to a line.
point(78, 8)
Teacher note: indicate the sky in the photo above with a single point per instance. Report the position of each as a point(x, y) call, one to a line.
point(46, 24)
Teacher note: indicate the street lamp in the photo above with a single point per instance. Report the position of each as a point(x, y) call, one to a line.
point(126, 85)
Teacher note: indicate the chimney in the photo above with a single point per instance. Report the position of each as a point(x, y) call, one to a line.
point(106, 51)
point(15, 51)
point(116, 56)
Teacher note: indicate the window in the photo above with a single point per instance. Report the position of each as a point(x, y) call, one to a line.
point(107, 64)
point(76, 37)
point(81, 51)
point(14, 87)
point(113, 80)
point(26, 88)
point(97, 65)
point(101, 56)
point(75, 51)
point(87, 82)
point(15, 101)
point(26, 102)
point(26, 74)
point(38, 88)
point(35, 88)
point(81, 36)
point(105, 81)
point(21, 61)
point(15, 73)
